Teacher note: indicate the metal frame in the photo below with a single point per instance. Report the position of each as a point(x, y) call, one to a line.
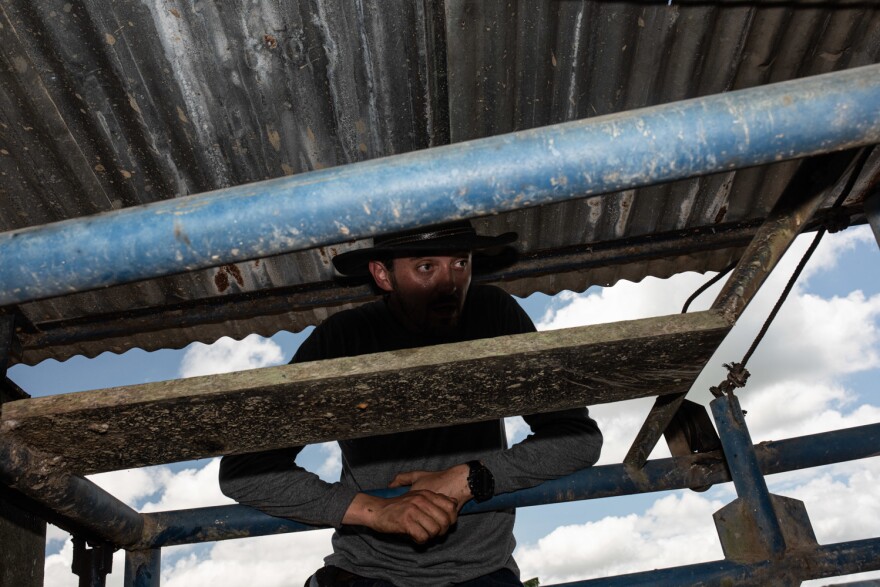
point(429, 187)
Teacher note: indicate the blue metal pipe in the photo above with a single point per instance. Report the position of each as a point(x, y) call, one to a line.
point(742, 461)
point(143, 568)
point(830, 560)
point(237, 521)
point(475, 178)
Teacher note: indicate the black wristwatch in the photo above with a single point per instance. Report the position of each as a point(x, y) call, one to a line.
point(480, 481)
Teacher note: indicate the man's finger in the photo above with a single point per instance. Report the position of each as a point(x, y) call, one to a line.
point(405, 479)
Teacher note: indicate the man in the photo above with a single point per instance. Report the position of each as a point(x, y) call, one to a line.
point(418, 537)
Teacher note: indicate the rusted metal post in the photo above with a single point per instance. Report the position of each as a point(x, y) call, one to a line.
point(142, 568)
point(746, 474)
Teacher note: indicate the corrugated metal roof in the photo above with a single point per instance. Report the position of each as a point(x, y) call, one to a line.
point(112, 104)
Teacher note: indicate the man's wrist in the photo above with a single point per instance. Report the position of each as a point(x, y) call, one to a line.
point(362, 510)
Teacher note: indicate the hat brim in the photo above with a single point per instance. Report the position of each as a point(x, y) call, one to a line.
point(355, 263)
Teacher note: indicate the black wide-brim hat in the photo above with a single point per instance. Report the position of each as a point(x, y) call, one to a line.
point(449, 237)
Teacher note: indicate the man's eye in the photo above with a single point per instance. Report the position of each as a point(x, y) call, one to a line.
point(461, 264)
point(424, 267)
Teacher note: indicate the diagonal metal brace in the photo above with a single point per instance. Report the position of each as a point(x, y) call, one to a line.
point(821, 177)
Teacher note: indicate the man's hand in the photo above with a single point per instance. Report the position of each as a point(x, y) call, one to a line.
point(421, 515)
point(451, 482)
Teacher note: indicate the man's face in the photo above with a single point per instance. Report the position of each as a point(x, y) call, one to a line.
point(427, 293)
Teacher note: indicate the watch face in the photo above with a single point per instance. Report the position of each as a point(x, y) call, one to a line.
point(480, 481)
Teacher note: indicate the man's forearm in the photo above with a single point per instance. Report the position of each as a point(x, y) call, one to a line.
point(561, 443)
point(272, 483)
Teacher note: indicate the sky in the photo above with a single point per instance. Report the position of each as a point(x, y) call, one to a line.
point(813, 372)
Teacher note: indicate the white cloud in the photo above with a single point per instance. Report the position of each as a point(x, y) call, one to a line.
point(131, 485)
point(792, 408)
point(676, 530)
point(190, 488)
point(227, 355)
point(331, 467)
point(267, 561)
point(515, 429)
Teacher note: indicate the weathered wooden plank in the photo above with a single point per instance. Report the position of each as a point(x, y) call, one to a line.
point(360, 396)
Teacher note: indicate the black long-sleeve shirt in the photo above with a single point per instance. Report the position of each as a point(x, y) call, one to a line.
point(561, 443)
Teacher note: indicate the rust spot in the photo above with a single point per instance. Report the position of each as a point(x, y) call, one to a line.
point(235, 272)
point(271, 41)
point(175, 12)
point(720, 216)
point(787, 100)
point(221, 280)
point(180, 235)
point(362, 406)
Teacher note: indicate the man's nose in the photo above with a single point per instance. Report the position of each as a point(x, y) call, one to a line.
point(447, 280)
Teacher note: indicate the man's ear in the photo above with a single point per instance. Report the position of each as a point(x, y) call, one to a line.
point(381, 275)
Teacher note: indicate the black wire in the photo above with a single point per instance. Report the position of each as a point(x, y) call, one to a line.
point(850, 182)
point(707, 285)
point(737, 373)
point(784, 295)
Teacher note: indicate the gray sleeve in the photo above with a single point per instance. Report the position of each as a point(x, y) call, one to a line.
point(560, 444)
point(272, 483)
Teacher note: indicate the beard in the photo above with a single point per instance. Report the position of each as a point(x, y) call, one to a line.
point(436, 316)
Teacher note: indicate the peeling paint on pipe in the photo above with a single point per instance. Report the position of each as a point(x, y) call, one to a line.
point(476, 178)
